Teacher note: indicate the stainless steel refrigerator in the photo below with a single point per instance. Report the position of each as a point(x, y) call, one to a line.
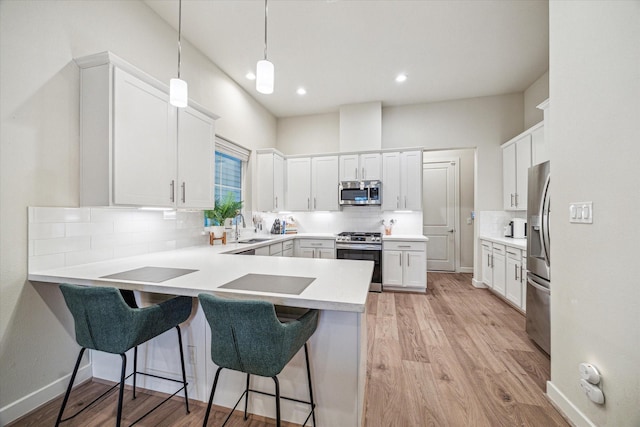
point(538, 261)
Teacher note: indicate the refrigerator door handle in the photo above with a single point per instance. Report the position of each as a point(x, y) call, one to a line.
point(539, 286)
point(546, 210)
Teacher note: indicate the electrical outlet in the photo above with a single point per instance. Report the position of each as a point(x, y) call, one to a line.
point(191, 349)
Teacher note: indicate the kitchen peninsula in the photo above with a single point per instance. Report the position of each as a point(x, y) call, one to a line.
point(339, 288)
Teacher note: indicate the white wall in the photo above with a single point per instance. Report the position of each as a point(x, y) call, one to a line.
point(595, 301)
point(533, 96)
point(317, 133)
point(39, 110)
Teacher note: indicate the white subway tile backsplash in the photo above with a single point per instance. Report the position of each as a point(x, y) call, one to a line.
point(45, 262)
point(46, 230)
point(131, 250)
point(60, 237)
point(61, 214)
point(88, 229)
point(84, 257)
point(61, 245)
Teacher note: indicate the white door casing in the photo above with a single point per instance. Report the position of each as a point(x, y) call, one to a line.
point(439, 211)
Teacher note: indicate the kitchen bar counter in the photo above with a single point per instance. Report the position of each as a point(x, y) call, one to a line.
point(339, 284)
point(338, 348)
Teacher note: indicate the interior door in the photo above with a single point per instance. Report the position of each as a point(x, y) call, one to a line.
point(439, 206)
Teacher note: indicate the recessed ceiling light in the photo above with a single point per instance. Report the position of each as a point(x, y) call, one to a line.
point(301, 91)
point(250, 75)
point(401, 78)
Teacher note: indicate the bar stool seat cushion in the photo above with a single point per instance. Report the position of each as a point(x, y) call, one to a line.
point(247, 336)
point(105, 322)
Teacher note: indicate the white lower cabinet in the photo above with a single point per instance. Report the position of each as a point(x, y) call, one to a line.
point(504, 271)
point(287, 248)
point(315, 248)
point(404, 265)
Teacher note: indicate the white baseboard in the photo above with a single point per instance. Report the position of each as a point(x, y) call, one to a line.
point(568, 409)
point(28, 403)
point(477, 283)
point(465, 270)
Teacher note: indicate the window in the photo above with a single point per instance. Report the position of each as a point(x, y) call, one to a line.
point(228, 176)
point(231, 160)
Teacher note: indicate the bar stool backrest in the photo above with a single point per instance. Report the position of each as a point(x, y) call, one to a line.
point(247, 336)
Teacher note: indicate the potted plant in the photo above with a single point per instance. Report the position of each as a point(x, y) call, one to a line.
point(224, 209)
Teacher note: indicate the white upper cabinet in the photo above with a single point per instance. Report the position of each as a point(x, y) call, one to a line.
point(144, 143)
point(133, 150)
point(324, 183)
point(355, 167)
point(539, 147)
point(299, 184)
point(196, 159)
point(402, 181)
point(270, 188)
point(516, 161)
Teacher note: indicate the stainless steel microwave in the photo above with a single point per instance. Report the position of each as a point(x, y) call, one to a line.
point(360, 193)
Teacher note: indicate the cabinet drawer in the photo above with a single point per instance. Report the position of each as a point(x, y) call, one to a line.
point(275, 248)
point(486, 244)
point(287, 245)
point(316, 243)
point(498, 249)
point(514, 254)
point(404, 246)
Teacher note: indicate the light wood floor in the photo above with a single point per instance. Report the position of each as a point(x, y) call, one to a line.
point(457, 356)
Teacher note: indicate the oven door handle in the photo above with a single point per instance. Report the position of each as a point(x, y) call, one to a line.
point(359, 247)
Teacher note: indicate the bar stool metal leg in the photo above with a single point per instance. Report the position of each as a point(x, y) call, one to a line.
point(313, 405)
point(135, 369)
point(213, 390)
point(275, 380)
point(121, 393)
point(184, 375)
point(73, 378)
point(246, 398)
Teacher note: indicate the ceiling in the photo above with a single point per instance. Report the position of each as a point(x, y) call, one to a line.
point(350, 51)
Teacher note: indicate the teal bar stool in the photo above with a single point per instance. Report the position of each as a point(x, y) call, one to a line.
point(246, 336)
point(109, 320)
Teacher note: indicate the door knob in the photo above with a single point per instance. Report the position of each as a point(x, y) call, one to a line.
point(452, 230)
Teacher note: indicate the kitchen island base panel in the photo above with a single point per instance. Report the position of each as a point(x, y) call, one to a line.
point(338, 368)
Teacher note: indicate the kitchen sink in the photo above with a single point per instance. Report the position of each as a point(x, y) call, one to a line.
point(255, 240)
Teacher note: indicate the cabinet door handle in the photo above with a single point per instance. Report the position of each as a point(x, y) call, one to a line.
point(511, 199)
point(400, 259)
point(521, 277)
point(405, 202)
point(515, 268)
point(276, 202)
point(184, 192)
point(488, 260)
point(315, 204)
point(408, 260)
point(404, 246)
point(308, 203)
point(397, 201)
point(172, 191)
point(516, 199)
point(356, 170)
point(491, 260)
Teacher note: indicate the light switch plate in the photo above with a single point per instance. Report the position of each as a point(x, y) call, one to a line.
point(581, 212)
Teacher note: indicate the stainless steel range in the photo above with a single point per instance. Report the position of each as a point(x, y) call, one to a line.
point(362, 246)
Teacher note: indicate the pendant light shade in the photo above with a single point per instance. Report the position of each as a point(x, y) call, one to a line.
point(178, 93)
point(178, 90)
point(264, 76)
point(265, 72)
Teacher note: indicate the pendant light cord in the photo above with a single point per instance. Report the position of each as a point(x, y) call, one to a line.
point(180, 34)
point(266, 9)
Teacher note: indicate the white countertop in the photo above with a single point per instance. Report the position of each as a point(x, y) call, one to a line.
point(340, 285)
point(509, 241)
point(406, 237)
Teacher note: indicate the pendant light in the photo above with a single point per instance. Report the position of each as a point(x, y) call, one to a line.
point(178, 91)
point(264, 69)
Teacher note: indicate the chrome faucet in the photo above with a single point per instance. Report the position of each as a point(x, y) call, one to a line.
point(239, 215)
